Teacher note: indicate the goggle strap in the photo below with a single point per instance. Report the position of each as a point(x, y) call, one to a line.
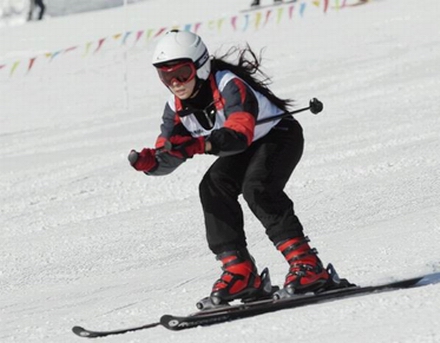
point(202, 59)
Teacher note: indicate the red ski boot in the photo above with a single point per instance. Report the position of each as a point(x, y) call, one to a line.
point(240, 279)
point(306, 273)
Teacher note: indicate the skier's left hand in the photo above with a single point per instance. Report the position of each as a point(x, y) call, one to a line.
point(186, 146)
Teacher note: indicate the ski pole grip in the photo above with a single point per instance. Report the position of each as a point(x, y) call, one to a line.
point(316, 106)
point(133, 157)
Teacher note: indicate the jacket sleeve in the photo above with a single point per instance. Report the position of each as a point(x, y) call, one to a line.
point(241, 110)
point(171, 125)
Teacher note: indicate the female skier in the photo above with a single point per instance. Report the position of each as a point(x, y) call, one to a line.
point(214, 109)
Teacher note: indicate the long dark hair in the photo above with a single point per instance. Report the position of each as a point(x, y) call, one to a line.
point(248, 68)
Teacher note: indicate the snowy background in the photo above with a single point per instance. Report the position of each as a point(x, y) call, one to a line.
point(15, 12)
point(86, 240)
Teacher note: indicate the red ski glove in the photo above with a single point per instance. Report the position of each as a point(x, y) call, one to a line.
point(186, 146)
point(143, 161)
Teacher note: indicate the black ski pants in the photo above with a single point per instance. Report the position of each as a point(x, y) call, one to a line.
point(260, 174)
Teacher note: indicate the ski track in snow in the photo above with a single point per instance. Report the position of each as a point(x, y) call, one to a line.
point(88, 241)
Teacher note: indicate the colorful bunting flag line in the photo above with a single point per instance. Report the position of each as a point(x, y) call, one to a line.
point(259, 18)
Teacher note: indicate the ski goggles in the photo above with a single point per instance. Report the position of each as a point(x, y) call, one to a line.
point(181, 73)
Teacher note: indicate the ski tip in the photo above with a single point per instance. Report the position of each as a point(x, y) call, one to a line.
point(80, 331)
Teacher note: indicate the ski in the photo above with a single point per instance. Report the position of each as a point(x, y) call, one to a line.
point(226, 313)
point(80, 331)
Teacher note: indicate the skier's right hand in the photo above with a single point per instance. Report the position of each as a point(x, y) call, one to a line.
point(143, 161)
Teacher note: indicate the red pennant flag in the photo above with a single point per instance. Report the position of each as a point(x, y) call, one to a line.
point(31, 64)
point(196, 27)
point(100, 42)
point(139, 35)
point(162, 30)
point(70, 49)
point(268, 13)
point(234, 23)
point(291, 8)
point(326, 5)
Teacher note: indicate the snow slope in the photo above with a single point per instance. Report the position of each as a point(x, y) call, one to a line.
point(86, 240)
point(15, 12)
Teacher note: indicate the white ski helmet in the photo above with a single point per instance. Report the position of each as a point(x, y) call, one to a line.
point(183, 45)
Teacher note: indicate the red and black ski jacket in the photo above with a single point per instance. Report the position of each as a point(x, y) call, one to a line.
point(225, 112)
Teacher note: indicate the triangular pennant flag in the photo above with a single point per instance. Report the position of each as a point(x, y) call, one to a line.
point(127, 34)
point(14, 66)
point(302, 9)
point(138, 36)
point(234, 22)
point(211, 24)
point(55, 54)
point(100, 42)
point(268, 13)
point(197, 27)
point(246, 22)
point(31, 63)
point(220, 24)
point(88, 46)
point(149, 33)
point(326, 3)
point(70, 49)
point(162, 30)
point(257, 19)
point(117, 36)
point(291, 8)
point(280, 14)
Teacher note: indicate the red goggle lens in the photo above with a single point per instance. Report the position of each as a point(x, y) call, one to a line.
point(180, 73)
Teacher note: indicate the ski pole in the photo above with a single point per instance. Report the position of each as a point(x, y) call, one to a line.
point(315, 106)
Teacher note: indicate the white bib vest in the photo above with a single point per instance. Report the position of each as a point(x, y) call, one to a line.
point(266, 110)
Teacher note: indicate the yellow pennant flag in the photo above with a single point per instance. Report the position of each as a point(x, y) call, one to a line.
point(211, 24)
point(280, 15)
point(220, 24)
point(88, 45)
point(257, 19)
point(149, 33)
point(14, 66)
